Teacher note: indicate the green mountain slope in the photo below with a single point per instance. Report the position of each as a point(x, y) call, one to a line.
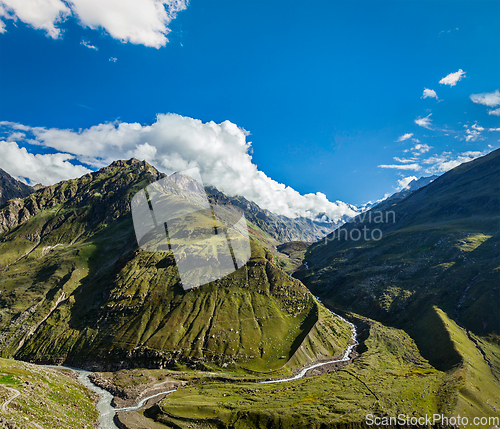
point(76, 288)
point(33, 396)
point(436, 264)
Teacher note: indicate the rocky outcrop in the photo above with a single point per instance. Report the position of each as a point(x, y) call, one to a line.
point(12, 188)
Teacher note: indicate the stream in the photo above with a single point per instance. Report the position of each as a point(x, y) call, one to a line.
point(104, 407)
point(344, 358)
point(107, 411)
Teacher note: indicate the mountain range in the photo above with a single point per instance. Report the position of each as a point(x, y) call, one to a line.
point(428, 263)
point(90, 297)
point(418, 274)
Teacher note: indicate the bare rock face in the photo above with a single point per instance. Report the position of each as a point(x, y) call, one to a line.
point(12, 188)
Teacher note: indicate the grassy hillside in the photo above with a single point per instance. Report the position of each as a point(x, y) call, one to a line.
point(76, 288)
point(436, 265)
point(389, 378)
point(43, 398)
point(441, 250)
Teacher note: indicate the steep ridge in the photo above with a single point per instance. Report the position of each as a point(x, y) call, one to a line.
point(12, 188)
point(439, 246)
point(281, 228)
point(76, 288)
point(432, 269)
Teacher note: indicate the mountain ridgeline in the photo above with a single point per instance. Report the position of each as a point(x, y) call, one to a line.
point(75, 288)
point(418, 275)
point(431, 268)
point(439, 246)
point(12, 188)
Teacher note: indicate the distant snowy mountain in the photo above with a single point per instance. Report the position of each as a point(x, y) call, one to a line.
point(419, 183)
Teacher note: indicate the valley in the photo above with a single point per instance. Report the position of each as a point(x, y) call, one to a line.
point(307, 334)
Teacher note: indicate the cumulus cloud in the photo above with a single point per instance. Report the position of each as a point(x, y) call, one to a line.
point(113, 59)
point(405, 181)
point(424, 122)
point(176, 143)
point(42, 14)
point(15, 136)
point(452, 78)
point(436, 164)
point(405, 137)
point(143, 22)
point(45, 169)
point(495, 112)
point(429, 93)
point(414, 167)
point(473, 133)
point(490, 99)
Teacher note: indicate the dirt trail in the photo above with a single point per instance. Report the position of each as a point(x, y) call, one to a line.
point(6, 403)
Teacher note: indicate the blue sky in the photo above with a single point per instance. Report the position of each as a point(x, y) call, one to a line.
point(328, 91)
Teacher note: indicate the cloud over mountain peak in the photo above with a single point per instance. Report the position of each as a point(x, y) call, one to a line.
point(172, 143)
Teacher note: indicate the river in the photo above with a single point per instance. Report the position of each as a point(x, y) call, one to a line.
point(344, 358)
point(104, 407)
point(107, 411)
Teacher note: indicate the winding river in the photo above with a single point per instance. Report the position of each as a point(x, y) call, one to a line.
point(104, 407)
point(344, 358)
point(107, 411)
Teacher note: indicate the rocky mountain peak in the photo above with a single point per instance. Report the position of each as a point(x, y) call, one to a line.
point(12, 188)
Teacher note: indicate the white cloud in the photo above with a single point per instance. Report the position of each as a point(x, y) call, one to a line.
point(452, 78)
point(15, 136)
point(473, 133)
point(420, 148)
point(446, 161)
point(175, 143)
point(490, 99)
point(143, 22)
point(429, 93)
point(45, 169)
point(494, 129)
point(404, 182)
point(41, 14)
point(424, 122)
point(88, 45)
point(405, 137)
point(495, 112)
point(414, 167)
point(113, 59)
point(404, 160)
